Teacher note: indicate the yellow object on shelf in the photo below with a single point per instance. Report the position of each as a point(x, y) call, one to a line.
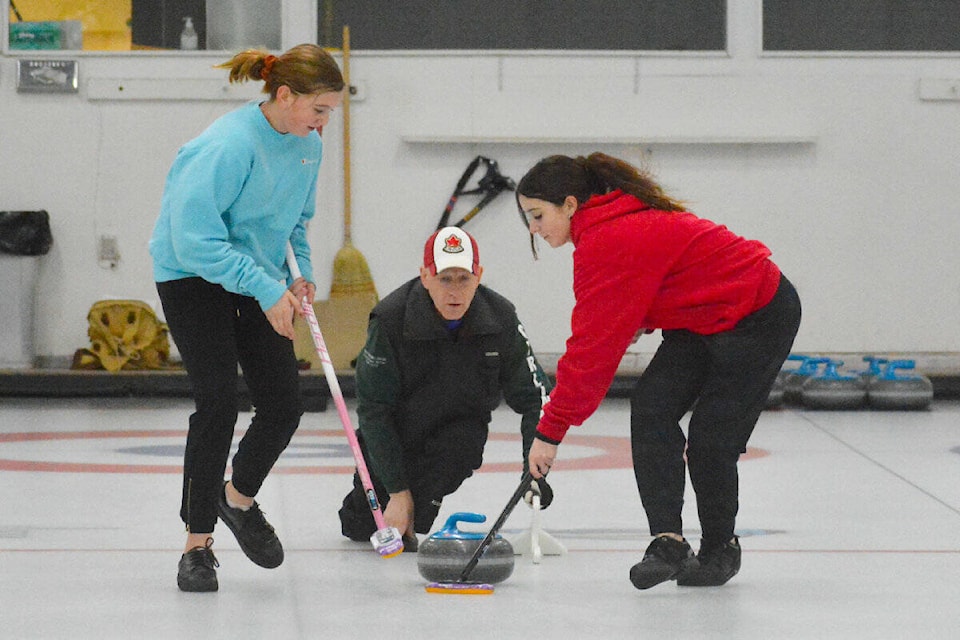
point(104, 24)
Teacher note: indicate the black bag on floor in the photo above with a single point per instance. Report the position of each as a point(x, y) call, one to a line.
point(25, 233)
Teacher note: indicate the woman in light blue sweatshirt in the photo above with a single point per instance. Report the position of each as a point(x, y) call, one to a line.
point(234, 197)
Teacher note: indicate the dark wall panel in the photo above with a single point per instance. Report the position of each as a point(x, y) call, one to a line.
point(696, 25)
point(861, 25)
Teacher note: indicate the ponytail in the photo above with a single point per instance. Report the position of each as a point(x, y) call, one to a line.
point(306, 69)
point(618, 174)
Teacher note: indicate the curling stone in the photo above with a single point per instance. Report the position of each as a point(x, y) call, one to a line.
point(775, 397)
point(794, 378)
point(443, 555)
point(892, 391)
point(874, 368)
point(834, 390)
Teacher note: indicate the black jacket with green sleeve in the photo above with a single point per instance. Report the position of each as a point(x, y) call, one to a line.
point(414, 376)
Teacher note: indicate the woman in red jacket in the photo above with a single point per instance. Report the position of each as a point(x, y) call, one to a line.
point(728, 319)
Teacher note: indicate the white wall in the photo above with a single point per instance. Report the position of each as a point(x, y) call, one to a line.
point(834, 162)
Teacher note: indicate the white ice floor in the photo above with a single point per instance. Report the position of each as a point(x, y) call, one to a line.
point(849, 522)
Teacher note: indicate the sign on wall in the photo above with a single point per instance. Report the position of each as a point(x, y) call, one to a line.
point(47, 76)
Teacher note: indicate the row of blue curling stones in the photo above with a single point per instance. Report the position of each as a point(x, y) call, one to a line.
point(819, 383)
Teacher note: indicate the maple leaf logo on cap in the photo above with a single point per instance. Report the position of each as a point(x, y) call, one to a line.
point(451, 247)
point(453, 244)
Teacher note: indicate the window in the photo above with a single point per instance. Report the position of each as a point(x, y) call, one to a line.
point(861, 25)
point(660, 25)
point(126, 25)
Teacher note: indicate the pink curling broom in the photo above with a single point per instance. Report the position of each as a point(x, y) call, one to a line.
point(386, 540)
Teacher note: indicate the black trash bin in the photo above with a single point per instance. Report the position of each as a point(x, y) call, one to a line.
point(24, 237)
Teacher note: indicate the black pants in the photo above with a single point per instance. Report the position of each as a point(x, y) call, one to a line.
point(449, 455)
point(725, 378)
point(215, 331)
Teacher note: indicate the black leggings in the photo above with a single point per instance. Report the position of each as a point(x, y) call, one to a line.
point(725, 378)
point(215, 331)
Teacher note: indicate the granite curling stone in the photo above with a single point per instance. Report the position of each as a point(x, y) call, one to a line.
point(775, 397)
point(444, 554)
point(890, 390)
point(834, 390)
point(794, 379)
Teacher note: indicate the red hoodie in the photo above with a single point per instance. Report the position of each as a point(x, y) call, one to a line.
point(637, 267)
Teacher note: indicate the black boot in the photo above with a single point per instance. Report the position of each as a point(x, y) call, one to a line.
point(718, 563)
point(664, 560)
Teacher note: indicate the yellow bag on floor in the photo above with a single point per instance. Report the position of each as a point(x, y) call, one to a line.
point(124, 334)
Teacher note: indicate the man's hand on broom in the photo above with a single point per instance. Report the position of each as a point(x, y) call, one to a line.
point(399, 511)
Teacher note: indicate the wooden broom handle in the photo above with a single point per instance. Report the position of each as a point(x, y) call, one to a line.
point(346, 135)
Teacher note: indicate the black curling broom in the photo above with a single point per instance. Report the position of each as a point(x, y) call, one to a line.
point(492, 184)
point(463, 586)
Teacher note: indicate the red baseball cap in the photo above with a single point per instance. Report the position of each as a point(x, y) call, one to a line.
point(451, 247)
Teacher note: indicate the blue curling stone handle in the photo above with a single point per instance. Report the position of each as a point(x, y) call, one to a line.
point(451, 531)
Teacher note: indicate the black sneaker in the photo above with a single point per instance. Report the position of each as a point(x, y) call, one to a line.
point(198, 569)
point(717, 565)
point(664, 560)
point(255, 535)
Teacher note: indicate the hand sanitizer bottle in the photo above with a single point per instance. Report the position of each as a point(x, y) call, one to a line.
point(188, 37)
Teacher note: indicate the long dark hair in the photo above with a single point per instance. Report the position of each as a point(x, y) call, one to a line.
point(555, 177)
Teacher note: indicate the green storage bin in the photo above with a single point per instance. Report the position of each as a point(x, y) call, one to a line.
point(35, 35)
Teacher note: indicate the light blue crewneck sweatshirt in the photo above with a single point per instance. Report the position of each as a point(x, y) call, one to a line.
point(235, 195)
